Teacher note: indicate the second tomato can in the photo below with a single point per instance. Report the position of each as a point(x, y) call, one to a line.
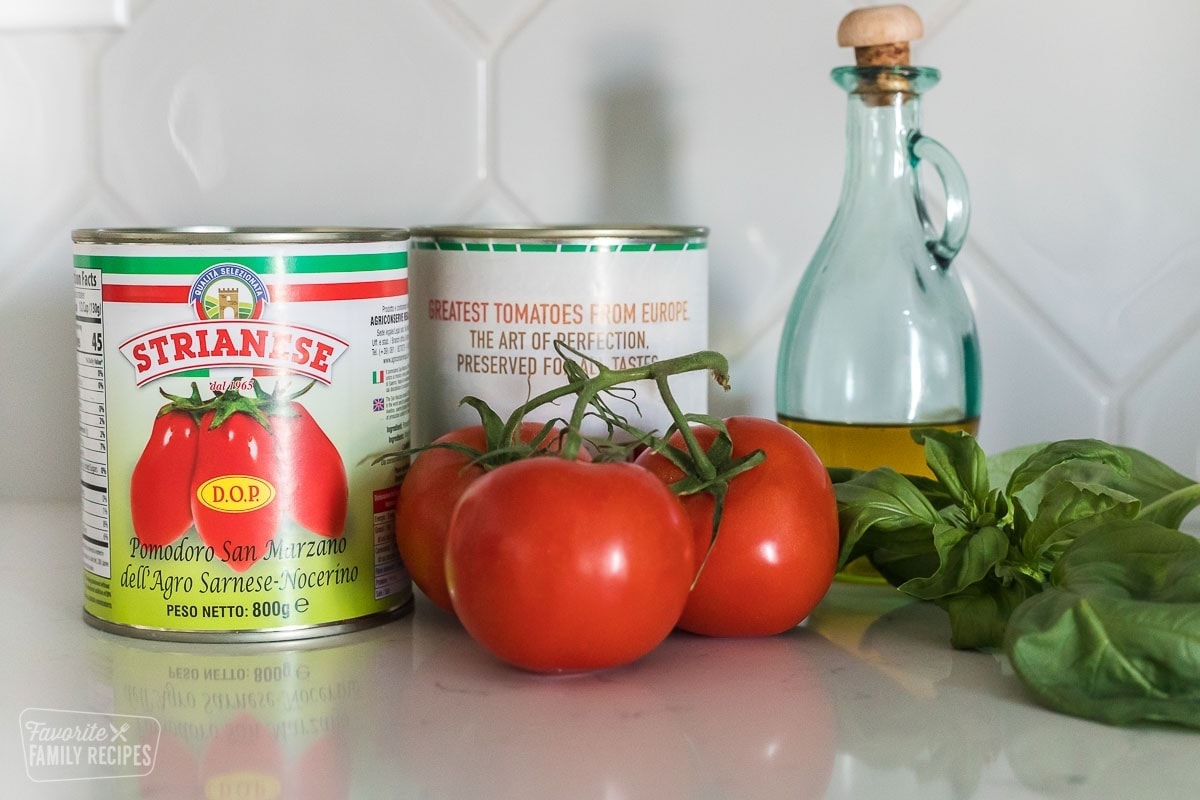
point(489, 303)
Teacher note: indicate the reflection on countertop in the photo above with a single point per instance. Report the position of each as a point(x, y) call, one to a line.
point(865, 700)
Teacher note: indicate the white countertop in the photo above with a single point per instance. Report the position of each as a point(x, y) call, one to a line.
point(866, 700)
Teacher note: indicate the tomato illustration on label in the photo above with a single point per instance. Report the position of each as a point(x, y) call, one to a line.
point(234, 501)
point(317, 496)
point(160, 489)
point(235, 467)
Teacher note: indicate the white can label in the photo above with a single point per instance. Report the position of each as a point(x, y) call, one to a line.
point(487, 314)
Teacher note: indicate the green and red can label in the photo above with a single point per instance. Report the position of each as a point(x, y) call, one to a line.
point(240, 393)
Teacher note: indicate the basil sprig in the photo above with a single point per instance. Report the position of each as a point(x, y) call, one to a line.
point(1116, 637)
point(1064, 554)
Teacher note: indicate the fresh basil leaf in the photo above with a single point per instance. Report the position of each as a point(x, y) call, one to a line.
point(966, 557)
point(878, 502)
point(996, 509)
point(1167, 496)
point(843, 474)
point(1052, 529)
point(1116, 638)
point(959, 465)
point(1041, 461)
point(904, 554)
point(1002, 465)
point(979, 616)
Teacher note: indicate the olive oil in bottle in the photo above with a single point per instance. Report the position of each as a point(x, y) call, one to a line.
point(880, 338)
point(869, 446)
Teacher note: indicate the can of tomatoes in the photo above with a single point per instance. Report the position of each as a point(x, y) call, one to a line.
point(238, 391)
point(494, 306)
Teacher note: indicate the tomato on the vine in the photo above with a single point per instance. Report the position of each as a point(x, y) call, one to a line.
point(562, 566)
point(160, 488)
point(434, 483)
point(776, 549)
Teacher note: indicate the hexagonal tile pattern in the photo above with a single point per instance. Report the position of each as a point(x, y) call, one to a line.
point(46, 96)
point(1037, 384)
point(303, 112)
point(1161, 415)
point(687, 113)
point(1083, 176)
point(494, 20)
point(1072, 121)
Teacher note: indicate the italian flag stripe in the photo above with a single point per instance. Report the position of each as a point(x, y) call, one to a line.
point(279, 293)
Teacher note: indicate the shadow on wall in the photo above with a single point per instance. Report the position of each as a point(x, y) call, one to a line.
point(633, 144)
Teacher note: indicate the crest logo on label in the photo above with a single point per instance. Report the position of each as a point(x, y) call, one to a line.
point(228, 291)
point(228, 301)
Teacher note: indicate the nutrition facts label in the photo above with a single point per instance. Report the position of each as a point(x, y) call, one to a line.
point(93, 470)
point(390, 575)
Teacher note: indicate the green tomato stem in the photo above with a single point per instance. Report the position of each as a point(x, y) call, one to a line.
point(587, 388)
point(705, 470)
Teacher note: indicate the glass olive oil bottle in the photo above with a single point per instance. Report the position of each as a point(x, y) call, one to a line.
point(880, 338)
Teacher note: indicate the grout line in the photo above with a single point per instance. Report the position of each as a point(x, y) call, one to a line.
point(485, 110)
point(487, 102)
point(1104, 390)
point(519, 24)
point(779, 306)
point(1156, 360)
point(476, 37)
point(940, 18)
point(490, 114)
point(1033, 313)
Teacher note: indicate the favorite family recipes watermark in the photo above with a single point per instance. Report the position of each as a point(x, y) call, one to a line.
point(62, 745)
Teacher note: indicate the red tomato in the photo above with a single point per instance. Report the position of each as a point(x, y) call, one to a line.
point(437, 478)
point(235, 492)
point(160, 490)
point(776, 550)
point(562, 566)
point(318, 493)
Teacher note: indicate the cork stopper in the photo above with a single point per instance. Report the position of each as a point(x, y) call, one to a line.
point(880, 34)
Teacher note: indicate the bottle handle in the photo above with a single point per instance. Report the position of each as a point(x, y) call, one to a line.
point(944, 247)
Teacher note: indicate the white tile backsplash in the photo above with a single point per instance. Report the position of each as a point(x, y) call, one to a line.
point(1074, 122)
point(42, 14)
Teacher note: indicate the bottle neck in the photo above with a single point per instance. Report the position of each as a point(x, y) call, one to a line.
point(877, 141)
point(883, 112)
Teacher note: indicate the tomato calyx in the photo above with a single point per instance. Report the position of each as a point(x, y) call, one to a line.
point(703, 470)
point(598, 389)
point(261, 406)
point(192, 405)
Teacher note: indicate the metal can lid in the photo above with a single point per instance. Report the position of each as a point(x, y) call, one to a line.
point(560, 233)
point(215, 234)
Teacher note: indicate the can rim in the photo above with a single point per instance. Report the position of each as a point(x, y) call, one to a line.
point(636, 232)
point(219, 234)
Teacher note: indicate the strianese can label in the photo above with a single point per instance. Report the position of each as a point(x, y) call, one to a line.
point(490, 304)
point(238, 388)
